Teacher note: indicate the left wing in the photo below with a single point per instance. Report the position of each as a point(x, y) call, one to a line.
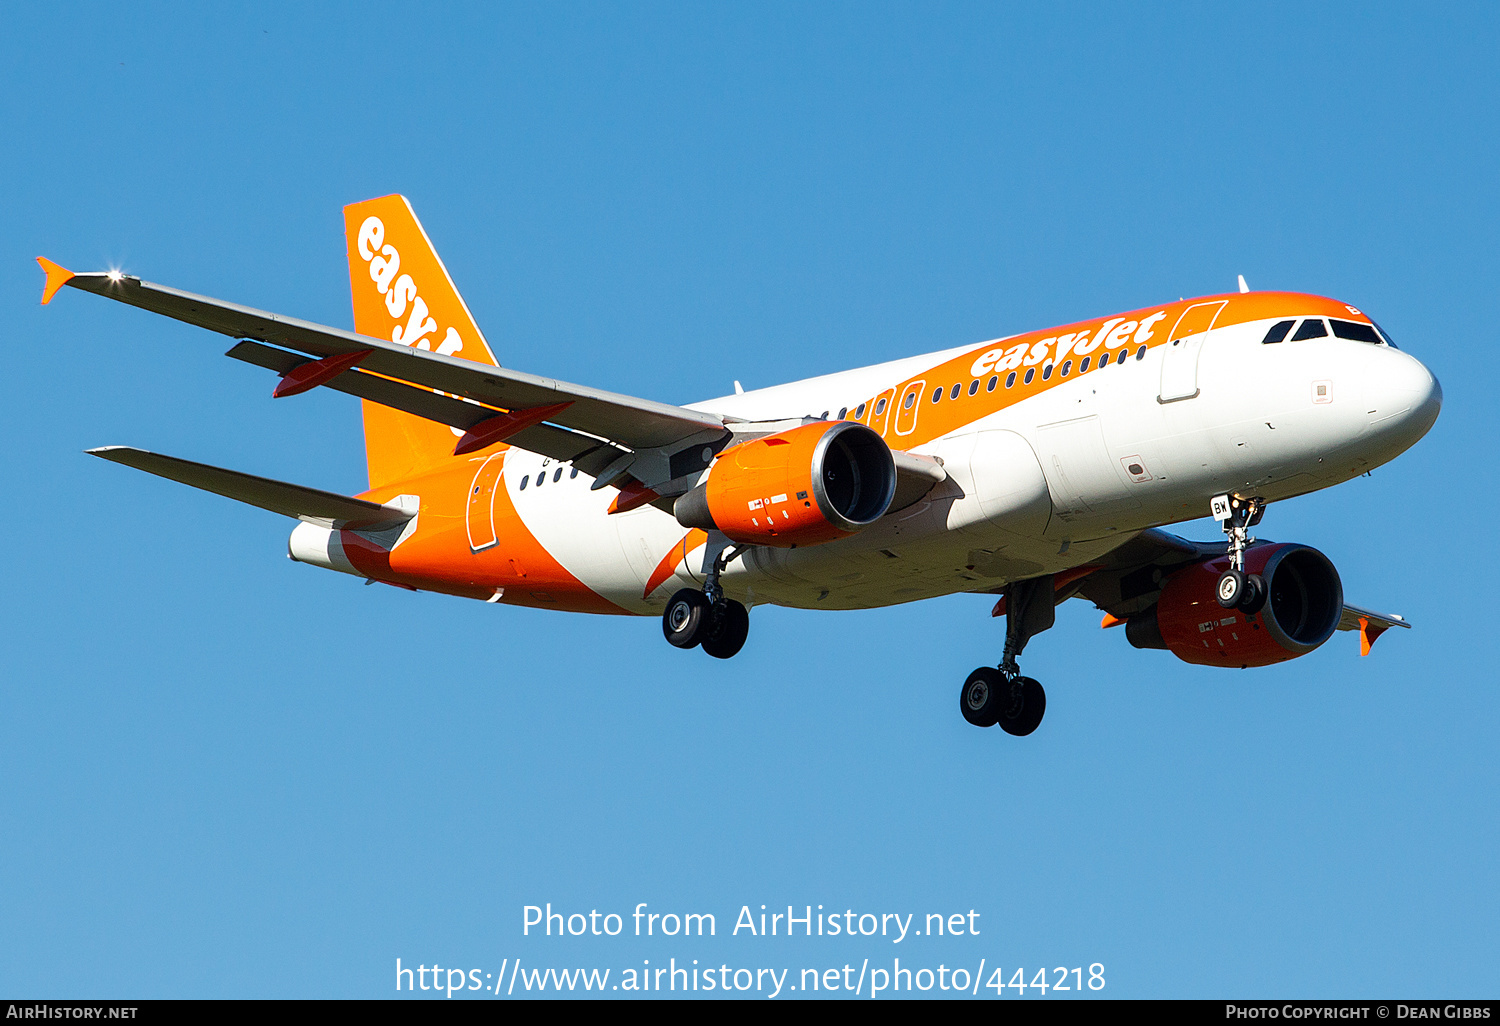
point(610, 436)
point(636, 423)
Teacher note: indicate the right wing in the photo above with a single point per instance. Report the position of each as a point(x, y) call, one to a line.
point(1129, 581)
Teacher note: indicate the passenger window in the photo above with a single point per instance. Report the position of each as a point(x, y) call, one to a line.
point(524, 481)
point(1310, 328)
point(1103, 359)
point(541, 479)
point(859, 413)
point(1010, 379)
point(906, 404)
point(1140, 354)
point(1030, 373)
point(1046, 372)
point(572, 473)
point(1067, 367)
point(974, 387)
point(880, 407)
point(954, 393)
point(1278, 332)
point(990, 385)
point(557, 476)
point(1355, 331)
point(1083, 368)
point(843, 412)
point(937, 393)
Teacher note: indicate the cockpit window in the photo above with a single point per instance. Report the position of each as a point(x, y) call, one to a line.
point(1278, 332)
point(1385, 335)
point(1310, 328)
point(1355, 331)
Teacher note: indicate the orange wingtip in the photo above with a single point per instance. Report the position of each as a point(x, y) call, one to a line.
point(57, 277)
point(1368, 632)
point(1110, 620)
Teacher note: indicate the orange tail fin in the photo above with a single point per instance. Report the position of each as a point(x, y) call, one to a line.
point(402, 292)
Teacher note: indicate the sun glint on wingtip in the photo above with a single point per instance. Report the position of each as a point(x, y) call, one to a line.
point(57, 277)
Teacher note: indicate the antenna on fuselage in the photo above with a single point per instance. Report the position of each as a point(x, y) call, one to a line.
point(1243, 286)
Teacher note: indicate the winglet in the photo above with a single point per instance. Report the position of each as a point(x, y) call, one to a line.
point(57, 277)
point(1368, 632)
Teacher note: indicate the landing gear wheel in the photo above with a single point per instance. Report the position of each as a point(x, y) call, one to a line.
point(1022, 705)
point(982, 697)
point(1255, 594)
point(1231, 588)
point(727, 632)
point(687, 618)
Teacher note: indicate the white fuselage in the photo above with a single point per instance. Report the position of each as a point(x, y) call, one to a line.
point(1039, 486)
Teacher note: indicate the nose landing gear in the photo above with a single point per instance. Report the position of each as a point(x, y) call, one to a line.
point(1000, 695)
point(708, 617)
point(1237, 589)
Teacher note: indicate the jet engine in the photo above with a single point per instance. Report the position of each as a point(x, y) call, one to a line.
point(1304, 599)
point(804, 486)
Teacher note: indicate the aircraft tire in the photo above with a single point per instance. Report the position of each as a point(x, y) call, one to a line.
point(1023, 708)
point(730, 628)
point(1230, 590)
point(685, 620)
point(982, 696)
point(1255, 595)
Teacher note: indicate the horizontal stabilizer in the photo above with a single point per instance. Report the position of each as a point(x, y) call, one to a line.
point(326, 509)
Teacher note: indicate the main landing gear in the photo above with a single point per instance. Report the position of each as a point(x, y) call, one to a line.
point(1000, 694)
point(708, 617)
point(1237, 589)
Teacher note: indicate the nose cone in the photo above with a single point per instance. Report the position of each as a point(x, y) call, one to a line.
point(1404, 400)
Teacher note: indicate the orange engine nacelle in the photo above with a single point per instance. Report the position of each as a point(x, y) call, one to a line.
point(806, 486)
point(1303, 604)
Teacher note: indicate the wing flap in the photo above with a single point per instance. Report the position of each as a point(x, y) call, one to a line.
point(637, 423)
point(327, 509)
point(545, 439)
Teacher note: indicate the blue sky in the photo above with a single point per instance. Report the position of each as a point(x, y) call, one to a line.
point(225, 774)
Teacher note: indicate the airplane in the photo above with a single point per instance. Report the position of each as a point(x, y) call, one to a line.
point(1037, 468)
